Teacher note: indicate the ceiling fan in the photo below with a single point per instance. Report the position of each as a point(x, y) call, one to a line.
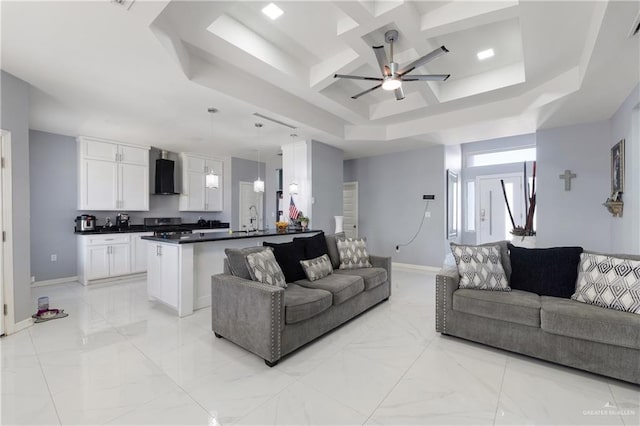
point(392, 77)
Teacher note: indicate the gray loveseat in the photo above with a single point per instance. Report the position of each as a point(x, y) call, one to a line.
point(564, 331)
point(271, 321)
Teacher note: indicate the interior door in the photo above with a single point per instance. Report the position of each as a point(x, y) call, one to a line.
point(492, 216)
point(350, 209)
point(250, 207)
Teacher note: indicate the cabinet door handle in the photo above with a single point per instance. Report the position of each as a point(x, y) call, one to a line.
point(160, 249)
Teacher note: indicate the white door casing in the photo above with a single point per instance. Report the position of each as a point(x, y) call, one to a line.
point(249, 198)
point(492, 217)
point(350, 208)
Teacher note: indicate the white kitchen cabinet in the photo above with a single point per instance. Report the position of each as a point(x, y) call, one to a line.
point(139, 252)
point(195, 196)
point(103, 256)
point(112, 175)
point(164, 273)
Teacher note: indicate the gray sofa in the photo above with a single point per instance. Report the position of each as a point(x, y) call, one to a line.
point(564, 331)
point(272, 322)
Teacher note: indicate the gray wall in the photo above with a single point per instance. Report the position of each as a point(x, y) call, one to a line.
point(14, 117)
point(576, 217)
point(326, 186)
point(273, 163)
point(390, 189)
point(246, 171)
point(53, 205)
point(625, 124)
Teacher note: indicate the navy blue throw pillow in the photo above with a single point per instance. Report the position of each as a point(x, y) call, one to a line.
point(547, 272)
point(314, 246)
point(288, 256)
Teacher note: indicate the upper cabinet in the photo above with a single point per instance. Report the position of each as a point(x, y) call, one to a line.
point(195, 196)
point(112, 175)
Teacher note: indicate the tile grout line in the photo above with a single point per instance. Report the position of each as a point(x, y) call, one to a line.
point(615, 400)
point(44, 376)
point(399, 380)
point(504, 373)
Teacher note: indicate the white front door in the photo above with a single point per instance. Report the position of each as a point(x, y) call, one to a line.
point(350, 208)
point(250, 215)
point(492, 217)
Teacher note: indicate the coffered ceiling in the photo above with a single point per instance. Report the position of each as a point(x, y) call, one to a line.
point(148, 73)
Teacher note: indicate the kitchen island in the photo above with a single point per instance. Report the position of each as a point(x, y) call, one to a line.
point(179, 269)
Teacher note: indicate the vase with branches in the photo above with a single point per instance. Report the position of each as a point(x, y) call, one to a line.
point(525, 230)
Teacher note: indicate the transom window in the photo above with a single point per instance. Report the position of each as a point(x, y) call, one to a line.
point(501, 157)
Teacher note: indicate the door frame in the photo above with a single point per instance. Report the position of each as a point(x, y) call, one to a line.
point(357, 204)
point(261, 206)
point(477, 198)
point(6, 225)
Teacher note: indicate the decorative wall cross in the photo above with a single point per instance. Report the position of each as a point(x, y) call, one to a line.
point(567, 176)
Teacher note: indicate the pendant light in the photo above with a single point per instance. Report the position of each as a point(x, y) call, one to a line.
point(293, 186)
point(258, 184)
point(212, 180)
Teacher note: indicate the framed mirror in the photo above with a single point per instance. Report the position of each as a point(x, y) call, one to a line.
point(452, 204)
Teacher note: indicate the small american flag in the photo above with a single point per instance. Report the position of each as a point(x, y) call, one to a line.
point(293, 210)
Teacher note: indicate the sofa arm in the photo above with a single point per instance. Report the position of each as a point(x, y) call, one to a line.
point(447, 281)
point(248, 313)
point(382, 262)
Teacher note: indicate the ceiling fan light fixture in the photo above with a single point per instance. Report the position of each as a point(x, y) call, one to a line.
point(391, 83)
point(485, 54)
point(272, 11)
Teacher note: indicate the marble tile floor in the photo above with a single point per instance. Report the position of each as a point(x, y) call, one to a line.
point(119, 359)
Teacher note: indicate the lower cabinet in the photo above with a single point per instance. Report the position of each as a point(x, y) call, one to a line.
point(111, 255)
point(163, 273)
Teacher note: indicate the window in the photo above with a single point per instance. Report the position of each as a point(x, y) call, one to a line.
point(502, 157)
point(471, 206)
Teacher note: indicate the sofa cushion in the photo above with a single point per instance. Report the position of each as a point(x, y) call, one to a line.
point(303, 303)
point(238, 260)
point(288, 255)
point(332, 248)
point(610, 282)
point(480, 267)
point(547, 272)
point(342, 287)
point(353, 253)
point(264, 268)
point(516, 306)
point(505, 260)
point(313, 247)
point(317, 268)
point(580, 320)
point(373, 277)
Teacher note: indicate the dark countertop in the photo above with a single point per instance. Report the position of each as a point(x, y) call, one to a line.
point(196, 237)
point(143, 228)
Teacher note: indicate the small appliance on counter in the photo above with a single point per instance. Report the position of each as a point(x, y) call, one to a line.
point(85, 222)
point(122, 221)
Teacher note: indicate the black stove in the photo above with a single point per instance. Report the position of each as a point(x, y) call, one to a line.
point(166, 227)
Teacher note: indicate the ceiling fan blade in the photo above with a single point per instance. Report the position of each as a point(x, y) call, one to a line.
point(366, 91)
point(421, 61)
point(399, 93)
point(381, 56)
point(429, 77)
point(357, 77)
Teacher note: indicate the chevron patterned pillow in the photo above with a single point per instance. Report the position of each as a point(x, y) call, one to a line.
point(480, 267)
point(353, 253)
point(609, 282)
point(317, 268)
point(264, 268)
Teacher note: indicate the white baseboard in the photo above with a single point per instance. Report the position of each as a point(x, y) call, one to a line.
point(416, 267)
point(54, 281)
point(19, 326)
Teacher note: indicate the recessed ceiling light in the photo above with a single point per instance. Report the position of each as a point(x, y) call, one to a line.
point(485, 54)
point(272, 11)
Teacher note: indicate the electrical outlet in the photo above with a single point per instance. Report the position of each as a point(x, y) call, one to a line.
point(54, 257)
point(429, 197)
point(427, 214)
